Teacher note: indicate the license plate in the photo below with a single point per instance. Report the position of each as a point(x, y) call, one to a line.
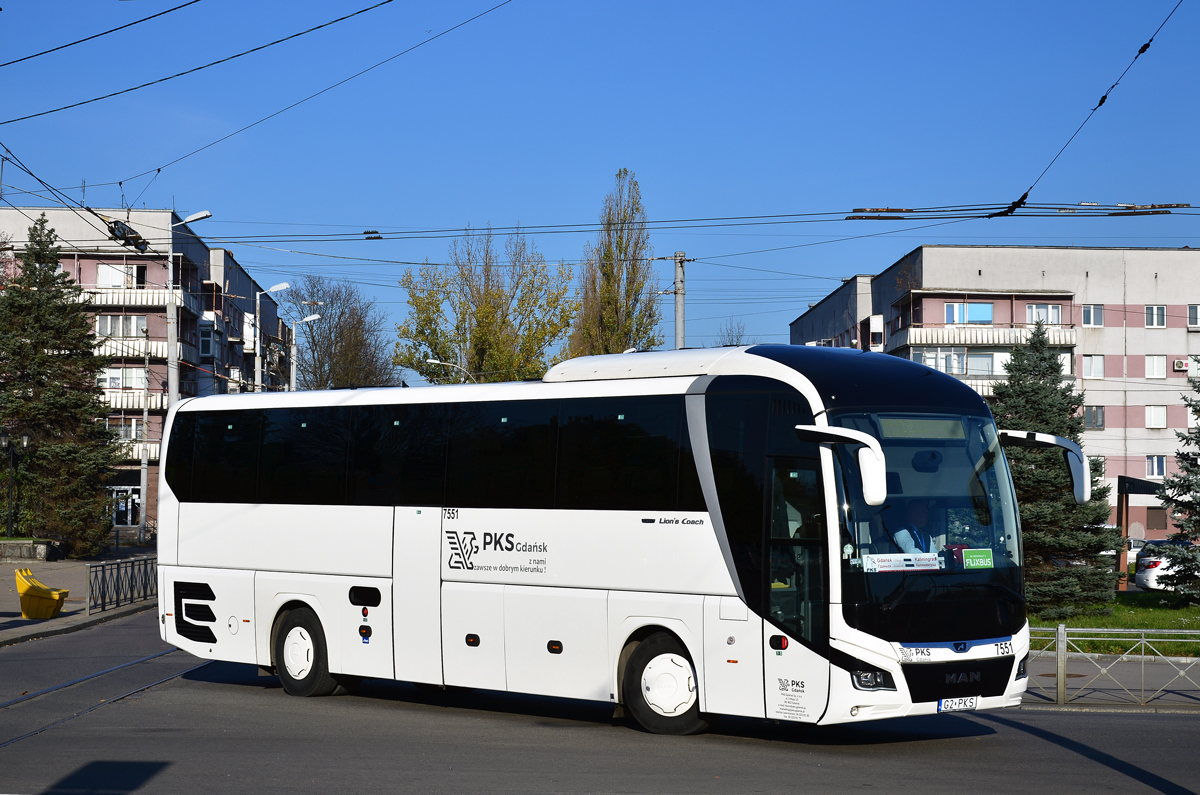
point(958, 704)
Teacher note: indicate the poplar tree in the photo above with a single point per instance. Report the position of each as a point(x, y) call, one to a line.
point(618, 294)
point(1180, 491)
point(1066, 573)
point(48, 386)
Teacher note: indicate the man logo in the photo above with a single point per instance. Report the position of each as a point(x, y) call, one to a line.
point(190, 607)
point(462, 549)
point(964, 678)
point(960, 646)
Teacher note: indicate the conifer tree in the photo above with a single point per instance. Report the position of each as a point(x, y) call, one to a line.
point(1180, 491)
point(1065, 572)
point(48, 386)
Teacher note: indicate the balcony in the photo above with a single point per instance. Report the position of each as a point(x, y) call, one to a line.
point(132, 451)
point(997, 336)
point(135, 348)
point(148, 297)
point(134, 400)
point(985, 384)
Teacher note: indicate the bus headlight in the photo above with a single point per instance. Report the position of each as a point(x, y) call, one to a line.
point(872, 680)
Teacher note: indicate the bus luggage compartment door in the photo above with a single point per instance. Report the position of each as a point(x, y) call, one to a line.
point(473, 635)
point(556, 642)
point(209, 612)
point(733, 663)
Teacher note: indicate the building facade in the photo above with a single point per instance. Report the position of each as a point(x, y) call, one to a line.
point(1126, 323)
point(176, 319)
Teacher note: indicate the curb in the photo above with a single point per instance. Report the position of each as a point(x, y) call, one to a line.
point(1113, 710)
point(46, 631)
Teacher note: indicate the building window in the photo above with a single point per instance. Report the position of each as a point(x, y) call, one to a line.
point(1156, 366)
point(1093, 418)
point(876, 338)
point(1098, 465)
point(948, 360)
point(1156, 416)
point(1093, 315)
point(1156, 317)
point(120, 325)
point(1156, 466)
point(1048, 314)
point(206, 338)
point(957, 314)
point(122, 378)
point(127, 428)
point(979, 363)
point(1194, 314)
point(1093, 366)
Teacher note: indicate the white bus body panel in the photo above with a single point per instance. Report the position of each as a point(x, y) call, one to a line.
point(329, 598)
point(797, 681)
point(665, 551)
point(218, 603)
point(473, 609)
point(733, 661)
point(416, 589)
point(297, 538)
point(679, 613)
point(573, 617)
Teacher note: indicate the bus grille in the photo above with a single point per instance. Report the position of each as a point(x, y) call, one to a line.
point(933, 681)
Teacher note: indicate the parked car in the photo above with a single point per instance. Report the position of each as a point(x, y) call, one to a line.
point(1152, 564)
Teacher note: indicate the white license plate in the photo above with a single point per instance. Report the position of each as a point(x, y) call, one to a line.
point(958, 704)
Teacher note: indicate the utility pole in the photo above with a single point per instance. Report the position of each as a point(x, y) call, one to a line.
point(172, 351)
point(143, 500)
point(680, 258)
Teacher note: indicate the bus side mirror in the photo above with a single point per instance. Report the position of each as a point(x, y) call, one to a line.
point(1077, 462)
point(872, 466)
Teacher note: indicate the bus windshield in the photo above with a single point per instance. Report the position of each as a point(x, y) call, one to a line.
point(940, 560)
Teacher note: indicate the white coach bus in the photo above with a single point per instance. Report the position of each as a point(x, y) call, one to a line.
point(794, 533)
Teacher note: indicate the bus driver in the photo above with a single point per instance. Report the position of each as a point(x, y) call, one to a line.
point(913, 536)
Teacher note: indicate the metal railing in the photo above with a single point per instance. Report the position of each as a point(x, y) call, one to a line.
point(1137, 667)
point(119, 582)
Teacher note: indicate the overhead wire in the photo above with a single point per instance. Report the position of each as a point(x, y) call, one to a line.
point(197, 68)
point(98, 35)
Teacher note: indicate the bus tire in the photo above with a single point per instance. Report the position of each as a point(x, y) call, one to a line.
point(660, 688)
point(300, 657)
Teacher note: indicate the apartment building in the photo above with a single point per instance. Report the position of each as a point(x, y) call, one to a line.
point(150, 281)
point(1125, 322)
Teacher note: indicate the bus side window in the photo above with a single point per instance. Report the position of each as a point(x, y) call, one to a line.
point(398, 455)
point(501, 454)
point(303, 456)
point(179, 455)
point(227, 442)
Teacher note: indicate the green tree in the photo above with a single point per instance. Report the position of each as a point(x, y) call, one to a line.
point(1180, 491)
point(349, 345)
point(48, 386)
point(1065, 572)
point(618, 294)
point(499, 321)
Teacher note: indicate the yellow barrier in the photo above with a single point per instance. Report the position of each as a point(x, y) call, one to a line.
point(38, 600)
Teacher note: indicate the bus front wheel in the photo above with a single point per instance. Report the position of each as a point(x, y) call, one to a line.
point(660, 689)
point(300, 657)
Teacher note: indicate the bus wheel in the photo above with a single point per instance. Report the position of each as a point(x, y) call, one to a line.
point(300, 656)
point(660, 689)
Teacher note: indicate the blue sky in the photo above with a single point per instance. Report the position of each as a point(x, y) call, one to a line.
point(524, 115)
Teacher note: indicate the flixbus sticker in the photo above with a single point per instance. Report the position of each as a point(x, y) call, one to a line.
point(977, 558)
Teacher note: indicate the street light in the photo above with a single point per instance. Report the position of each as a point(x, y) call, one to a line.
point(450, 364)
point(258, 332)
point(292, 383)
point(13, 455)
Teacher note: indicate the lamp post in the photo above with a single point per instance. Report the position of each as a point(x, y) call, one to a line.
point(451, 364)
point(292, 382)
point(258, 332)
point(13, 455)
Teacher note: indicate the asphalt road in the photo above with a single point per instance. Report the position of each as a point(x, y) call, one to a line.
point(222, 727)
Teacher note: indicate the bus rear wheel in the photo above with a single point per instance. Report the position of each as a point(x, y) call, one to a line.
point(300, 657)
point(660, 689)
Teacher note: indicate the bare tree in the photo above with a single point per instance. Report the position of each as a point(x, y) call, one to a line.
point(348, 345)
point(733, 332)
point(619, 297)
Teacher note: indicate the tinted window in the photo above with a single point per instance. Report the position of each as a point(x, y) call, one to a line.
point(620, 453)
point(501, 454)
point(303, 457)
point(227, 447)
point(399, 455)
point(179, 456)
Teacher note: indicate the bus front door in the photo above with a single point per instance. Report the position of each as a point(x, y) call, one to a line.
point(797, 591)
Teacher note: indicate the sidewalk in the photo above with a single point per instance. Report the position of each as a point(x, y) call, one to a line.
point(69, 574)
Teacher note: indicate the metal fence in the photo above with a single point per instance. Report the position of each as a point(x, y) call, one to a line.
point(1114, 667)
point(118, 582)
